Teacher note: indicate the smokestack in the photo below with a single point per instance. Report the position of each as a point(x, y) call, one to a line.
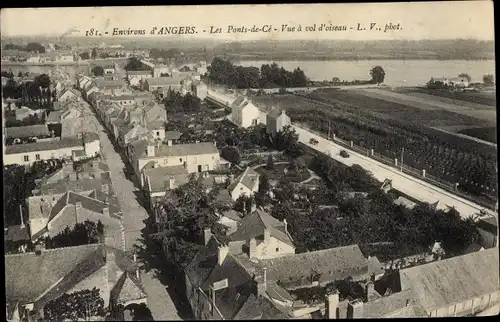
point(207, 234)
point(262, 284)
point(355, 309)
point(331, 305)
point(21, 215)
point(222, 253)
point(267, 235)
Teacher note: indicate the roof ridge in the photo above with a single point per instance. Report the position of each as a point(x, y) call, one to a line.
point(56, 249)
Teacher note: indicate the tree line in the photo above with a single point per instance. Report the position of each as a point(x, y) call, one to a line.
point(223, 72)
point(29, 47)
point(176, 102)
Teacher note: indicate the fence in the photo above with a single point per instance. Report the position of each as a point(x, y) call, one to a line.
point(417, 173)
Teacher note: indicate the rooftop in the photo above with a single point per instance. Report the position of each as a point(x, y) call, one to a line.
point(164, 81)
point(443, 283)
point(248, 178)
point(254, 224)
point(27, 131)
point(69, 142)
point(186, 149)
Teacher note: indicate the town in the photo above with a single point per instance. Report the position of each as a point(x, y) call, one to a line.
point(153, 184)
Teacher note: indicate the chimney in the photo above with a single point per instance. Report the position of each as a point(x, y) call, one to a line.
point(253, 206)
point(222, 251)
point(286, 226)
point(185, 165)
point(262, 284)
point(111, 267)
point(371, 293)
point(355, 309)
point(331, 305)
point(207, 234)
point(150, 152)
point(171, 182)
point(21, 215)
point(105, 188)
point(267, 235)
point(78, 206)
point(105, 211)
point(73, 176)
point(169, 142)
point(252, 248)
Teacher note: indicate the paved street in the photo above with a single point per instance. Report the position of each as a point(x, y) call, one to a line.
point(159, 301)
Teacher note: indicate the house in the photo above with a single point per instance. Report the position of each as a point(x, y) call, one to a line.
point(219, 287)
point(33, 59)
point(246, 184)
point(457, 286)
point(51, 218)
point(231, 219)
point(109, 68)
point(195, 157)
point(112, 86)
point(77, 126)
point(488, 228)
point(27, 154)
point(244, 113)
point(456, 82)
point(69, 111)
point(219, 271)
point(161, 83)
point(24, 112)
point(201, 67)
point(276, 120)
point(162, 69)
point(200, 90)
point(70, 94)
point(35, 279)
point(40, 132)
point(135, 76)
point(264, 236)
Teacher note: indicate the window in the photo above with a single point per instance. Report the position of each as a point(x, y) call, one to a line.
point(195, 160)
point(277, 249)
point(180, 159)
point(37, 156)
point(165, 161)
point(213, 157)
point(26, 158)
point(157, 133)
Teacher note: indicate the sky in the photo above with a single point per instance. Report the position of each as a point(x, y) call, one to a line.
point(410, 21)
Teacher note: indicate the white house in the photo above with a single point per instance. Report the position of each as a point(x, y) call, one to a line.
point(244, 113)
point(69, 95)
point(246, 184)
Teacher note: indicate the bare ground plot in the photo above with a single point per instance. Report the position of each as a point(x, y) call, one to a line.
point(372, 103)
point(427, 102)
point(484, 97)
point(450, 101)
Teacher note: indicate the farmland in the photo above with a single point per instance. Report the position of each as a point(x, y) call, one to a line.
point(484, 98)
point(387, 127)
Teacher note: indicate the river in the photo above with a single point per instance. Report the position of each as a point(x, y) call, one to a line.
point(397, 72)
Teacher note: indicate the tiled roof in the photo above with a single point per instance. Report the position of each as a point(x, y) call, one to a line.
point(89, 203)
point(232, 214)
point(274, 113)
point(260, 308)
point(165, 81)
point(108, 84)
point(28, 276)
point(70, 142)
point(254, 224)
point(248, 178)
point(374, 266)
point(16, 233)
point(54, 117)
point(172, 135)
point(333, 264)
point(187, 149)
point(455, 280)
point(489, 223)
point(127, 289)
point(388, 304)
point(79, 185)
point(90, 137)
point(158, 178)
point(139, 72)
point(204, 270)
point(26, 131)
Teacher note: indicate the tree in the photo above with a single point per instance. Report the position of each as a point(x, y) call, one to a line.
point(83, 304)
point(97, 71)
point(35, 47)
point(466, 76)
point(488, 79)
point(85, 55)
point(134, 63)
point(378, 75)
point(262, 195)
point(94, 53)
point(231, 154)
point(84, 233)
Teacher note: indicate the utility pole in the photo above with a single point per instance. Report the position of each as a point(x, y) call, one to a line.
point(402, 152)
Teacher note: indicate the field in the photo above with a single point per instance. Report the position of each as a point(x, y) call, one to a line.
point(484, 98)
point(388, 127)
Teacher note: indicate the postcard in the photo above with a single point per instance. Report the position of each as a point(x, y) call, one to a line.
point(250, 161)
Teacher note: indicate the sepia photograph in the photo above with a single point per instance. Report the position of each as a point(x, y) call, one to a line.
point(238, 162)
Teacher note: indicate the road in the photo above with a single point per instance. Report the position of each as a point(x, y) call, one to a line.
point(159, 301)
point(407, 184)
